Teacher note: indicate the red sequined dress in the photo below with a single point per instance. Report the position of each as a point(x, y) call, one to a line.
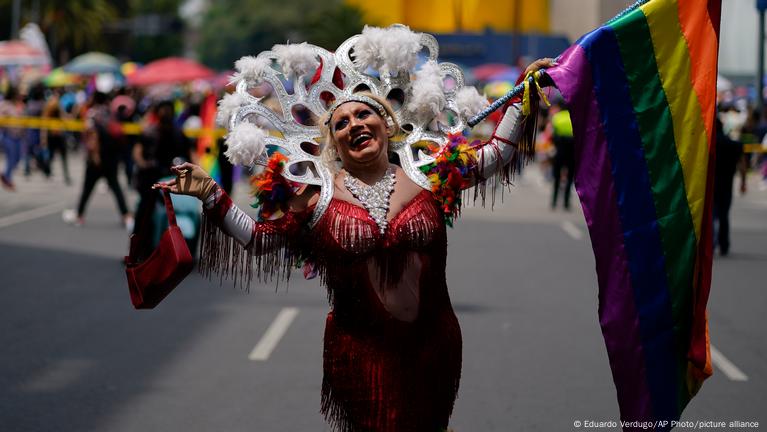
point(392, 346)
point(381, 372)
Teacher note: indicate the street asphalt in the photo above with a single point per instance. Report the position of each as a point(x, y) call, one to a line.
point(77, 357)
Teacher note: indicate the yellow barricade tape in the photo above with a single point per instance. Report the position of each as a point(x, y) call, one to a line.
point(754, 148)
point(79, 126)
point(136, 129)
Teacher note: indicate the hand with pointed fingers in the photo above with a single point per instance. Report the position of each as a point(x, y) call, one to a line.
point(190, 180)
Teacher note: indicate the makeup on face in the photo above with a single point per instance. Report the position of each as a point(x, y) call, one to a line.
point(356, 125)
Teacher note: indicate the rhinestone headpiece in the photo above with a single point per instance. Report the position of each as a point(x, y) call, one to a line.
point(372, 103)
point(305, 81)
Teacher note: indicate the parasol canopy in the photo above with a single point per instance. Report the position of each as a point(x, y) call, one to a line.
point(723, 84)
point(92, 63)
point(222, 80)
point(509, 75)
point(497, 89)
point(170, 70)
point(129, 68)
point(59, 78)
point(490, 71)
point(19, 53)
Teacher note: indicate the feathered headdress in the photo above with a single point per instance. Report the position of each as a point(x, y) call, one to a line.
point(430, 101)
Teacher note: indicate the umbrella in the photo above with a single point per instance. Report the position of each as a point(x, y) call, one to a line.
point(509, 75)
point(497, 89)
point(129, 68)
point(723, 84)
point(222, 80)
point(170, 70)
point(93, 63)
point(18, 53)
point(468, 75)
point(59, 78)
point(486, 71)
point(123, 101)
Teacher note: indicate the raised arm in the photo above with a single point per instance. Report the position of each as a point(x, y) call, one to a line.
point(512, 131)
point(498, 152)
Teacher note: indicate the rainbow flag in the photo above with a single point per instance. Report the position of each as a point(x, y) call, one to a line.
point(641, 92)
point(207, 147)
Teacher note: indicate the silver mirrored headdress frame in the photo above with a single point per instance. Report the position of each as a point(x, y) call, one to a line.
point(296, 140)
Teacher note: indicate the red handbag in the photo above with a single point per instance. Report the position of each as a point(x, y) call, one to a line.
point(150, 281)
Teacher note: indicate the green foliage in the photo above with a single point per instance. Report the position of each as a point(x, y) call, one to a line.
point(234, 28)
point(5, 23)
point(330, 27)
point(75, 23)
point(73, 27)
point(145, 49)
point(154, 6)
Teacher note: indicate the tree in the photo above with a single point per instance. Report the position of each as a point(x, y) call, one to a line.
point(69, 25)
point(74, 25)
point(142, 42)
point(234, 28)
point(331, 26)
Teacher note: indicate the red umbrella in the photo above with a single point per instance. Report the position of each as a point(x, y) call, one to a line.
point(170, 70)
point(221, 81)
point(486, 71)
point(18, 53)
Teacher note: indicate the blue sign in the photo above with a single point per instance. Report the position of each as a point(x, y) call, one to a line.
point(761, 5)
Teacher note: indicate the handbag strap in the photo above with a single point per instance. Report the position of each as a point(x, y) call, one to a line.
point(169, 209)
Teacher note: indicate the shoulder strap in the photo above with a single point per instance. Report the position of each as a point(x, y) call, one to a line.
point(169, 209)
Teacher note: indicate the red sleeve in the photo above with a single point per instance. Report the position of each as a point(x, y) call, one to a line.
point(234, 244)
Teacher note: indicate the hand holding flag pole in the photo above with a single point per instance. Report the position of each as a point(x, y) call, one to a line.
point(543, 79)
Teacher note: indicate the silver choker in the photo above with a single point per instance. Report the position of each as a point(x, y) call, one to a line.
point(375, 198)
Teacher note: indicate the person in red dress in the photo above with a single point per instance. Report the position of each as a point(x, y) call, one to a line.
point(392, 345)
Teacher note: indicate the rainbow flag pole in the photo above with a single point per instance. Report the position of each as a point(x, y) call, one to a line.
point(641, 92)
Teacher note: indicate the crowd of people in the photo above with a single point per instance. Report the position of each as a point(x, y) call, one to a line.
point(146, 157)
point(120, 156)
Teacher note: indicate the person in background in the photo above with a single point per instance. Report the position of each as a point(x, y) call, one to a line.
point(102, 156)
point(162, 143)
point(729, 159)
point(733, 117)
point(12, 138)
point(562, 136)
point(53, 140)
point(40, 154)
point(123, 110)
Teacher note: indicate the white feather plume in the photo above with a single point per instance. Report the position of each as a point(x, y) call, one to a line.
point(428, 94)
point(470, 102)
point(296, 59)
point(226, 107)
point(367, 49)
point(250, 68)
point(400, 49)
point(245, 144)
point(392, 49)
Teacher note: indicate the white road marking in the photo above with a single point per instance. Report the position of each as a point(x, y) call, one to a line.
point(31, 214)
point(273, 334)
point(58, 376)
point(726, 366)
point(572, 230)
